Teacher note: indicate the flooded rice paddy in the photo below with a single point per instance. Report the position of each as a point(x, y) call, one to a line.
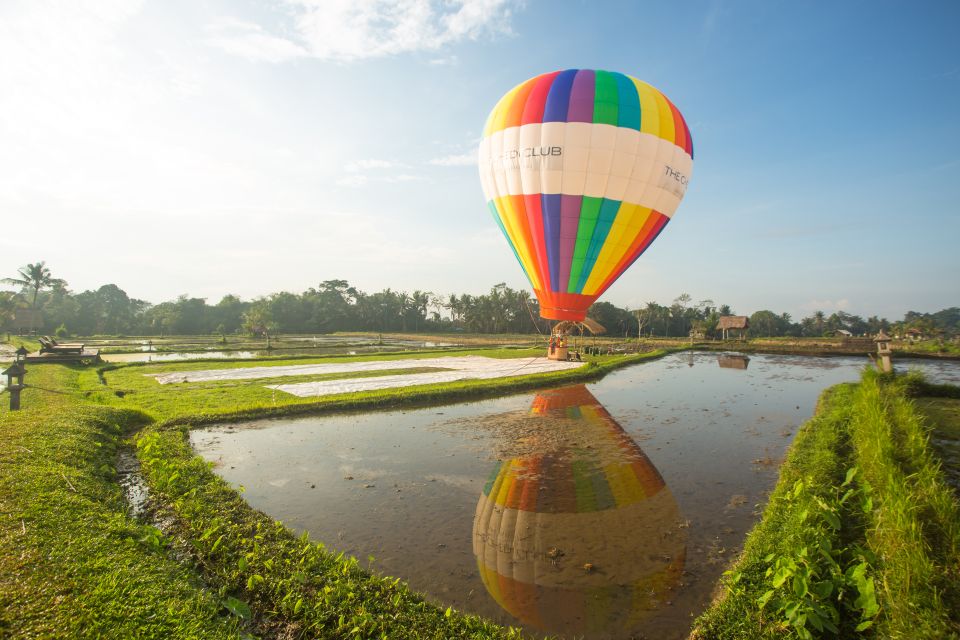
point(606, 510)
point(177, 350)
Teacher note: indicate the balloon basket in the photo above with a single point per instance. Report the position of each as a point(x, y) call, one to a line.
point(559, 345)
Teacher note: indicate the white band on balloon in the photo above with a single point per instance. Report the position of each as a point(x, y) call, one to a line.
point(585, 159)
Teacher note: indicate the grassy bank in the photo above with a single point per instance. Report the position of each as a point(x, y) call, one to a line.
point(74, 564)
point(834, 346)
point(861, 536)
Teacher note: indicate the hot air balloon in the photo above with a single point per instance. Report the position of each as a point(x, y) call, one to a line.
point(581, 536)
point(582, 170)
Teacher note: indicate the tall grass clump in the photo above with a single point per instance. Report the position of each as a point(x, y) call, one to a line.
point(914, 528)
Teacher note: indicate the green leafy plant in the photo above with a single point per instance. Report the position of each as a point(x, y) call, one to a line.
point(809, 588)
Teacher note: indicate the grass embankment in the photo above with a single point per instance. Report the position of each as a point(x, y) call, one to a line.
point(132, 385)
point(834, 346)
point(861, 536)
point(72, 564)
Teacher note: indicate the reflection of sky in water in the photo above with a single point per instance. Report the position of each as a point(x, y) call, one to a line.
point(405, 486)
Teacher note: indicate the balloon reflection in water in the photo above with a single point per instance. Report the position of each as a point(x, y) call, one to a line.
point(581, 535)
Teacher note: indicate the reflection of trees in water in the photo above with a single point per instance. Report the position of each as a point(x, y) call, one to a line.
point(579, 534)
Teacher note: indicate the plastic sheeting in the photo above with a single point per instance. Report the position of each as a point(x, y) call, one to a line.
point(459, 368)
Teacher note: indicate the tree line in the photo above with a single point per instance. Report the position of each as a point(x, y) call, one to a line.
point(335, 305)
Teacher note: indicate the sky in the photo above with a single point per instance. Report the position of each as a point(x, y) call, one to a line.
point(207, 147)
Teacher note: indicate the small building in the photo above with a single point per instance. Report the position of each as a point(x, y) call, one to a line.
point(740, 324)
point(26, 320)
point(913, 335)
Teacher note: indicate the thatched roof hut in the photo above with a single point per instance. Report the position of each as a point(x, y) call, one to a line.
point(590, 324)
point(733, 322)
point(739, 323)
point(26, 319)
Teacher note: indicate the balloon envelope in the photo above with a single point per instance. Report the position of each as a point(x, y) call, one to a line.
point(582, 170)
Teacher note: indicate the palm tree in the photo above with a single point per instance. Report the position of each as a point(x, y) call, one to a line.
point(36, 277)
point(819, 318)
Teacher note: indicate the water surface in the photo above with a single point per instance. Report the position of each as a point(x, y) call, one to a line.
point(289, 346)
point(606, 510)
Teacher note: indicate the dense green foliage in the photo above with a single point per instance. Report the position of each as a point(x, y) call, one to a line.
point(335, 305)
point(861, 534)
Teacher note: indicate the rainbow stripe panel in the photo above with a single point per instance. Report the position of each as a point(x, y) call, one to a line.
point(581, 170)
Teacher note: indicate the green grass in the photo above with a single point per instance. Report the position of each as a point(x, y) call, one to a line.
point(72, 564)
point(860, 534)
point(862, 506)
point(915, 528)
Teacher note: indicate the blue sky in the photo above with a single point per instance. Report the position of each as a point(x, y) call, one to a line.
point(249, 147)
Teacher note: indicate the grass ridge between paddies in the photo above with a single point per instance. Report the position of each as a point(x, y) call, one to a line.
point(74, 564)
point(205, 403)
point(861, 536)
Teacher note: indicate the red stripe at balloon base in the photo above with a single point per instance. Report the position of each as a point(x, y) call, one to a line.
point(563, 306)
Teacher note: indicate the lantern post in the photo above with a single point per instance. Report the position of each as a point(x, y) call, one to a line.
point(883, 350)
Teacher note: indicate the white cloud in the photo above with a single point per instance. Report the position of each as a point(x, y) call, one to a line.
point(353, 180)
point(362, 172)
point(456, 160)
point(351, 30)
point(249, 40)
point(371, 163)
point(446, 60)
point(826, 306)
point(356, 179)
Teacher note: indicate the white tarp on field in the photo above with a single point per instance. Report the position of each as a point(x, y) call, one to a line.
point(467, 368)
point(460, 368)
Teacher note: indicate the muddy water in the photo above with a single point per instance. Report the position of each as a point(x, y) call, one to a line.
point(606, 510)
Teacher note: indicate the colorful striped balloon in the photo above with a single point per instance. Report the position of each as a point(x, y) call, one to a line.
point(589, 495)
point(582, 169)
